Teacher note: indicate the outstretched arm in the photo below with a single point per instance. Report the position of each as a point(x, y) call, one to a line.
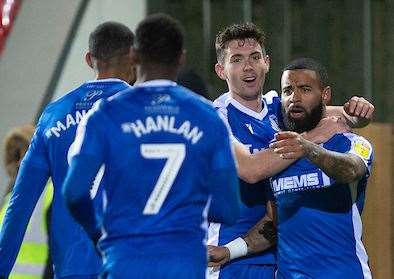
point(266, 163)
point(343, 167)
point(357, 112)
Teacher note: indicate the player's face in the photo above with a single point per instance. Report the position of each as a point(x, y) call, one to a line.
point(303, 99)
point(244, 68)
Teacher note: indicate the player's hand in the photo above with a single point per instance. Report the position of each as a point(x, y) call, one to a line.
point(290, 145)
point(218, 255)
point(359, 107)
point(326, 129)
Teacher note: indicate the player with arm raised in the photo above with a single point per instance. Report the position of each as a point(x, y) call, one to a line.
point(254, 118)
point(321, 196)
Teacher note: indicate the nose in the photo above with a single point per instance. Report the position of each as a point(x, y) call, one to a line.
point(248, 64)
point(295, 96)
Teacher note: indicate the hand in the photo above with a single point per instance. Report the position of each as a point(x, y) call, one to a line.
point(359, 107)
point(326, 129)
point(290, 145)
point(218, 255)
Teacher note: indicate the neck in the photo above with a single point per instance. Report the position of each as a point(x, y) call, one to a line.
point(111, 74)
point(147, 72)
point(254, 104)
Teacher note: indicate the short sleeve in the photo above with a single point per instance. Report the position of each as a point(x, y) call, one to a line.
point(362, 148)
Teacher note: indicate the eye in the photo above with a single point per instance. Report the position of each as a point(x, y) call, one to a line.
point(256, 57)
point(286, 91)
point(236, 60)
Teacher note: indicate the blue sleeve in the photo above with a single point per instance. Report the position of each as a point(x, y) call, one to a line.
point(87, 157)
point(76, 191)
point(29, 185)
point(224, 185)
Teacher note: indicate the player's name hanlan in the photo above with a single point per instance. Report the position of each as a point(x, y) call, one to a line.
point(163, 123)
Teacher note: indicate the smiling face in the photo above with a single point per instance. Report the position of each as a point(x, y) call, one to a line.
point(303, 99)
point(244, 68)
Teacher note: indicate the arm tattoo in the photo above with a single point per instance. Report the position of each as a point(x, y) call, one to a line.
point(344, 168)
point(262, 236)
point(268, 231)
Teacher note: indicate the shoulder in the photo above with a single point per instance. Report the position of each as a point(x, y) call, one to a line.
point(271, 97)
point(352, 143)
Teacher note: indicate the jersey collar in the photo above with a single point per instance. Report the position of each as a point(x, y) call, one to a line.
point(106, 80)
point(157, 82)
point(258, 115)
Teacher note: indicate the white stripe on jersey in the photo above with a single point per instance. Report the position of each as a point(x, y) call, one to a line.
point(360, 250)
point(213, 239)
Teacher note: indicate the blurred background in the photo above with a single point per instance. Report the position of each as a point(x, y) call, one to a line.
point(43, 43)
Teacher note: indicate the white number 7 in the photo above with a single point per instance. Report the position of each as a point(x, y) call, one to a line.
point(175, 154)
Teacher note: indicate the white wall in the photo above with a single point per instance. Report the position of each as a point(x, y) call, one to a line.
point(128, 12)
point(34, 46)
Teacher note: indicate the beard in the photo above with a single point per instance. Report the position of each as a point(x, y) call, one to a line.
point(310, 121)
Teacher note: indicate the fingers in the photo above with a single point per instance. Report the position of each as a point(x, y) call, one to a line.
point(213, 264)
point(359, 107)
point(285, 135)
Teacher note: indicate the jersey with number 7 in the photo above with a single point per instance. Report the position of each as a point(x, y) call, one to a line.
point(166, 154)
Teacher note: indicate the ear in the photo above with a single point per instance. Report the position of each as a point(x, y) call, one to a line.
point(219, 69)
point(326, 95)
point(267, 60)
point(182, 58)
point(88, 59)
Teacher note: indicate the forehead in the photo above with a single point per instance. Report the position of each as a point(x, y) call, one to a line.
point(242, 45)
point(298, 77)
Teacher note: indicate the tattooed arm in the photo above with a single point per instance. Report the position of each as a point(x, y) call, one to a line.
point(343, 167)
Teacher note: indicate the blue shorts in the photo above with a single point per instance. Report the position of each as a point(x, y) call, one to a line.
point(155, 266)
point(247, 271)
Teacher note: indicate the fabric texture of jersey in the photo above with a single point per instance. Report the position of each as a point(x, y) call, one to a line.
point(319, 223)
point(71, 249)
point(256, 131)
point(154, 131)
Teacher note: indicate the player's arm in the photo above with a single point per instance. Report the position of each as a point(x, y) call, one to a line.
point(76, 190)
point(29, 184)
point(343, 167)
point(266, 163)
point(357, 112)
point(224, 185)
point(259, 238)
point(85, 163)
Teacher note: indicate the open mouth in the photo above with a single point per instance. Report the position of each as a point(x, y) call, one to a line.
point(297, 112)
point(249, 80)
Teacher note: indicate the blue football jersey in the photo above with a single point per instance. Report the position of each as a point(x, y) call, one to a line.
point(256, 131)
point(71, 250)
point(161, 146)
point(319, 223)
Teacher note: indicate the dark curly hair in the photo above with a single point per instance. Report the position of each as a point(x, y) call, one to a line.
point(239, 31)
point(110, 39)
point(309, 64)
point(159, 40)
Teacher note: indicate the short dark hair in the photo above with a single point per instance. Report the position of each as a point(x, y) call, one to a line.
point(159, 40)
point(309, 64)
point(240, 31)
point(110, 39)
